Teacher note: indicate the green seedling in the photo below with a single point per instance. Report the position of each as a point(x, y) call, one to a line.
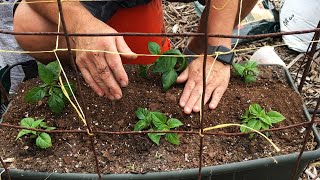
point(49, 75)
point(247, 71)
point(156, 121)
point(258, 119)
point(168, 66)
point(43, 140)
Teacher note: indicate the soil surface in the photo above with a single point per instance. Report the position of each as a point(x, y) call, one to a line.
point(136, 153)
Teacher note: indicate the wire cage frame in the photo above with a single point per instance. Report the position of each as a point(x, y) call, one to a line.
point(92, 133)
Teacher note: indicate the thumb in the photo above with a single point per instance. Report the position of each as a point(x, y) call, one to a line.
point(183, 76)
point(124, 48)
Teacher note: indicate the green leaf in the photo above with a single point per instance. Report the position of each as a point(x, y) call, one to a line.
point(142, 113)
point(239, 69)
point(54, 67)
point(251, 64)
point(43, 141)
point(168, 79)
point(172, 138)
point(56, 102)
point(275, 116)
point(36, 123)
point(22, 133)
point(143, 71)
point(27, 122)
point(141, 124)
point(35, 94)
point(244, 129)
point(264, 126)
point(73, 88)
point(245, 115)
point(158, 118)
point(50, 128)
point(265, 118)
point(154, 48)
point(173, 123)
point(154, 137)
point(255, 109)
point(43, 124)
point(249, 78)
point(164, 64)
point(254, 124)
point(45, 74)
point(173, 52)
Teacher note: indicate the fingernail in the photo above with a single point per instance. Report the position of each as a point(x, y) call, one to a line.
point(187, 110)
point(100, 94)
point(123, 83)
point(196, 109)
point(182, 104)
point(117, 96)
point(211, 106)
point(111, 97)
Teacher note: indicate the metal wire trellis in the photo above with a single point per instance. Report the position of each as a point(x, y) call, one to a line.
point(92, 134)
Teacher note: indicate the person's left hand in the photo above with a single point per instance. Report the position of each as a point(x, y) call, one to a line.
point(217, 83)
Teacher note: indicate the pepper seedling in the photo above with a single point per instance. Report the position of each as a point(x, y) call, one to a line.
point(257, 118)
point(156, 121)
point(168, 66)
point(49, 75)
point(247, 71)
point(43, 140)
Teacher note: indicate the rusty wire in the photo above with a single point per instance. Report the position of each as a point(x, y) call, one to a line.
point(206, 35)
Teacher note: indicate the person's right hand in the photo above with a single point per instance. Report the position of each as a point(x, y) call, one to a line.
point(103, 72)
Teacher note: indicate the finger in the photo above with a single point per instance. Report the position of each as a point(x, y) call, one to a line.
point(217, 94)
point(194, 97)
point(115, 64)
point(124, 48)
point(208, 94)
point(183, 76)
point(89, 80)
point(186, 92)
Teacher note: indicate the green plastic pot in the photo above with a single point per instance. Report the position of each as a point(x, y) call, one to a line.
point(275, 168)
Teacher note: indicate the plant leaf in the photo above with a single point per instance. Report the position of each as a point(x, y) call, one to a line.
point(143, 71)
point(245, 115)
point(265, 118)
point(73, 88)
point(249, 78)
point(275, 116)
point(255, 109)
point(22, 133)
point(254, 124)
point(168, 79)
point(154, 137)
point(158, 119)
point(45, 74)
point(244, 129)
point(172, 138)
point(239, 69)
point(56, 102)
point(141, 124)
point(142, 113)
point(43, 141)
point(154, 48)
point(35, 94)
point(54, 67)
point(50, 128)
point(26, 122)
point(164, 64)
point(36, 123)
point(173, 123)
point(265, 126)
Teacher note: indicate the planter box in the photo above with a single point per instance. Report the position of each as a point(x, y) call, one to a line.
point(277, 167)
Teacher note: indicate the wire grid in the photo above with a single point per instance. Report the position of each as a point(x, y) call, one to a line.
point(201, 133)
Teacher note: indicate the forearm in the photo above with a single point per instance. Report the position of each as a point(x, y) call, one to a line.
point(75, 15)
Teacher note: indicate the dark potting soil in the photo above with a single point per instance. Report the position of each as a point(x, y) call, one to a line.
point(136, 153)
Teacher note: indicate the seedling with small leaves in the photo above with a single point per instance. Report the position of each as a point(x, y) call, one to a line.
point(49, 75)
point(168, 66)
point(156, 121)
point(258, 119)
point(248, 71)
point(43, 140)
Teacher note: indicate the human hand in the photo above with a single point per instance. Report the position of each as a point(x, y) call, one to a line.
point(103, 72)
point(217, 83)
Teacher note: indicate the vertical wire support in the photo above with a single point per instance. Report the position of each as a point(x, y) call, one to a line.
point(6, 170)
point(208, 5)
point(310, 59)
point(308, 131)
point(4, 93)
point(82, 101)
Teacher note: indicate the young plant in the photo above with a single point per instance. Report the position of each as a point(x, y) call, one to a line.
point(168, 66)
point(43, 140)
point(257, 118)
point(156, 121)
point(49, 75)
point(248, 71)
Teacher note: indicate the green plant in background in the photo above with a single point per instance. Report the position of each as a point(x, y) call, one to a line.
point(156, 121)
point(167, 66)
point(258, 119)
point(248, 71)
point(43, 140)
point(49, 75)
